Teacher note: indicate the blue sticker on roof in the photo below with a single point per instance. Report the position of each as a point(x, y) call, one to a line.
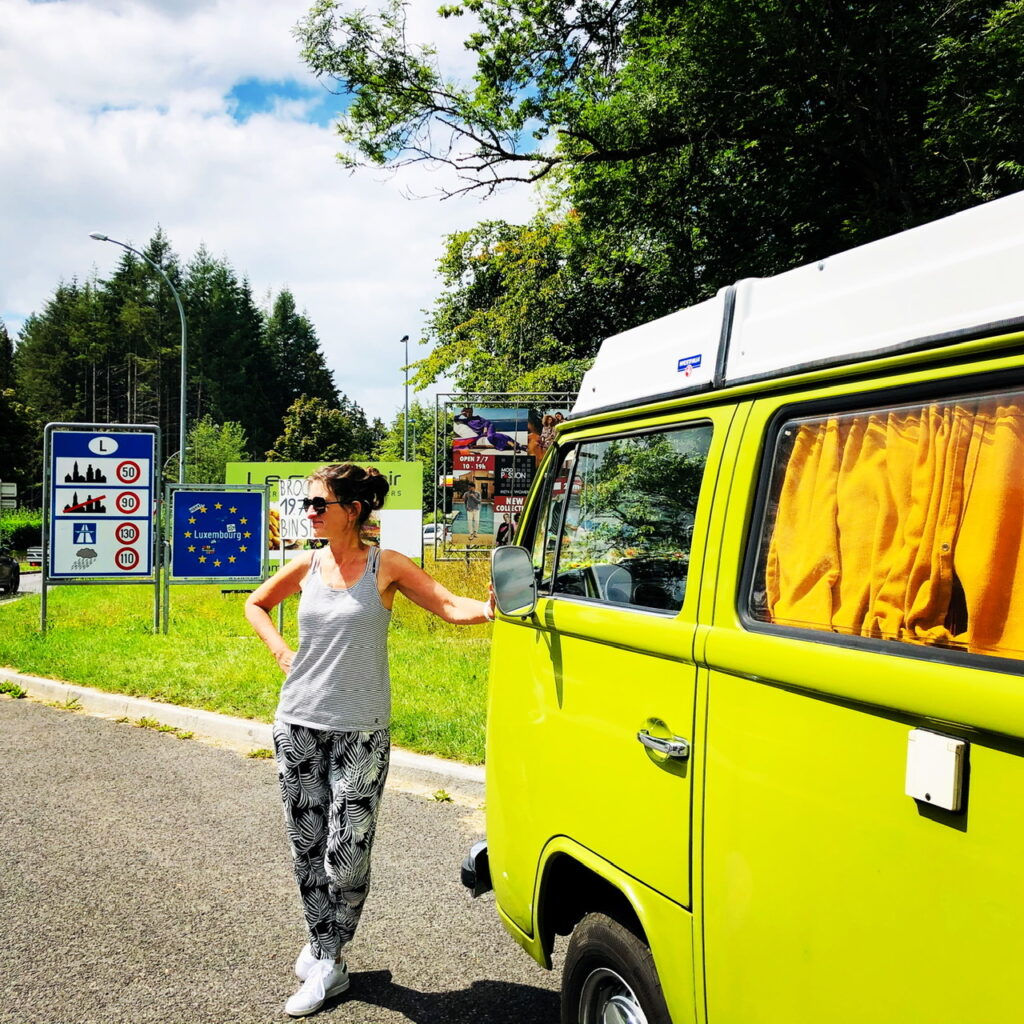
point(688, 364)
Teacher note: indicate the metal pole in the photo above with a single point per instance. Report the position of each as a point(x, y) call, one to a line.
point(184, 345)
point(405, 423)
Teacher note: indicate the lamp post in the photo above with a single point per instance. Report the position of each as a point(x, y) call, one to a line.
point(404, 340)
point(184, 344)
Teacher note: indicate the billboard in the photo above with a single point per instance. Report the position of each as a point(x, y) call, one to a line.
point(495, 453)
point(399, 525)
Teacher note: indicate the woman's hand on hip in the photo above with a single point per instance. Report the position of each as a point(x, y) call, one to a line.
point(284, 659)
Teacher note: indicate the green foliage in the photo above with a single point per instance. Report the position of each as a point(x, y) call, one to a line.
point(12, 689)
point(684, 146)
point(21, 528)
point(296, 360)
point(211, 446)
point(109, 351)
point(524, 308)
point(391, 443)
point(313, 432)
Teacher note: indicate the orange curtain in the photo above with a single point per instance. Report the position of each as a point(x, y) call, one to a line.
point(878, 511)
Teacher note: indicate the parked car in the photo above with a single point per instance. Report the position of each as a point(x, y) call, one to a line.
point(433, 532)
point(34, 555)
point(756, 741)
point(10, 572)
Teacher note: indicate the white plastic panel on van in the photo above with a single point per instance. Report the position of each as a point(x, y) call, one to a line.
point(674, 353)
point(935, 768)
point(956, 273)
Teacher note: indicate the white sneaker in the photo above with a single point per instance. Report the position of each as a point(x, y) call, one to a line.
point(325, 978)
point(304, 962)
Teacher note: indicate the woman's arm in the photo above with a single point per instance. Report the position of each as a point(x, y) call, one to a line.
point(421, 588)
point(267, 596)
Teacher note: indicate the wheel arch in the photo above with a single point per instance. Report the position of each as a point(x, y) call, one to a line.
point(575, 882)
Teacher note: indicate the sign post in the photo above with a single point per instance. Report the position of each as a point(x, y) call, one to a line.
point(98, 514)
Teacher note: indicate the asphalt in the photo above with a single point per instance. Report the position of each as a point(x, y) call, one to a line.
point(146, 878)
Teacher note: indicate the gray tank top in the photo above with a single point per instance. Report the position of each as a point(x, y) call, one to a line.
point(339, 679)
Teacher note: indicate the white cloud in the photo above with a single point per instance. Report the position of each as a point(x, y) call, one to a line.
point(115, 119)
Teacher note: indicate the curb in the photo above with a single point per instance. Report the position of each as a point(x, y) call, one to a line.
point(412, 771)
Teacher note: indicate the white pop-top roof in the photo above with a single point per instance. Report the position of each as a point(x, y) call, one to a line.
point(954, 275)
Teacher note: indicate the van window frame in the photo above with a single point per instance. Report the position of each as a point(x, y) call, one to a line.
point(539, 508)
point(999, 381)
point(572, 446)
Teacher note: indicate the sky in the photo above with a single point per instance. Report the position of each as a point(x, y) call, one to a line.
point(199, 116)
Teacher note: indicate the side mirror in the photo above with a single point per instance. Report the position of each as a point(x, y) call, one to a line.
point(515, 585)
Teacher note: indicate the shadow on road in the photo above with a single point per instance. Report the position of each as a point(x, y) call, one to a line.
point(496, 1002)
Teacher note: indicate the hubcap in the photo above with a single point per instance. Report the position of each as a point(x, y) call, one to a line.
point(607, 999)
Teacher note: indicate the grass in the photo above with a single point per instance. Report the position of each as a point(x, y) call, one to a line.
point(102, 636)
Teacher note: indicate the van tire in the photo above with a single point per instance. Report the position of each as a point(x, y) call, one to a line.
point(606, 962)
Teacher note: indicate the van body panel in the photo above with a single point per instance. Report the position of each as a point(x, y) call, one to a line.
point(594, 676)
point(831, 895)
point(811, 848)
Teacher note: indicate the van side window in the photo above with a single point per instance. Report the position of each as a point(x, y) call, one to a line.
point(902, 524)
point(628, 521)
point(546, 523)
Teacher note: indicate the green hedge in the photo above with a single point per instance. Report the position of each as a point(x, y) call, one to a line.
point(21, 528)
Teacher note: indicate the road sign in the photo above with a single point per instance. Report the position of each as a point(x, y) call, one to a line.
point(101, 504)
point(217, 534)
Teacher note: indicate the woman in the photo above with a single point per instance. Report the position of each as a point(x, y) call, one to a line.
point(505, 531)
point(331, 730)
point(547, 432)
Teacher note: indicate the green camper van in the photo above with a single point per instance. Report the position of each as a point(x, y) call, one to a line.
point(755, 735)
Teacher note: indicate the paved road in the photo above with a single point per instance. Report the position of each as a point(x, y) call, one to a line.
point(147, 879)
point(31, 583)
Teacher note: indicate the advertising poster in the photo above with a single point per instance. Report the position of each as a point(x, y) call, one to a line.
point(399, 525)
point(495, 455)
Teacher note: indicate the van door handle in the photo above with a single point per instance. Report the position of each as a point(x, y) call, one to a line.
point(676, 747)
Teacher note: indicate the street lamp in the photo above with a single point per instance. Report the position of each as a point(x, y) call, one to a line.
point(404, 340)
point(184, 343)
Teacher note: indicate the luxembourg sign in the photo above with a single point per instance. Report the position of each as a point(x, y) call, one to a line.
point(101, 504)
point(217, 534)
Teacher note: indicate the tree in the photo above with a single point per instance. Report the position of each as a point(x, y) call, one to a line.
point(524, 308)
point(684, 147)
point(391, 443)
point(6, 357)
point(619, 81)
point(211, 446)
point(314, 432)
point(16, 438)
point(298, 365)
point(231, 378)
point(108, 351)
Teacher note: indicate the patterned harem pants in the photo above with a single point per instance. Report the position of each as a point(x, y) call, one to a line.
point(331, 784)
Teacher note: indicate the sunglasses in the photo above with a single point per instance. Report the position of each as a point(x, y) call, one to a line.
point(318, 505)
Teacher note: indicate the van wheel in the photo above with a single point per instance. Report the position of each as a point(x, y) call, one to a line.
point(609, 977)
